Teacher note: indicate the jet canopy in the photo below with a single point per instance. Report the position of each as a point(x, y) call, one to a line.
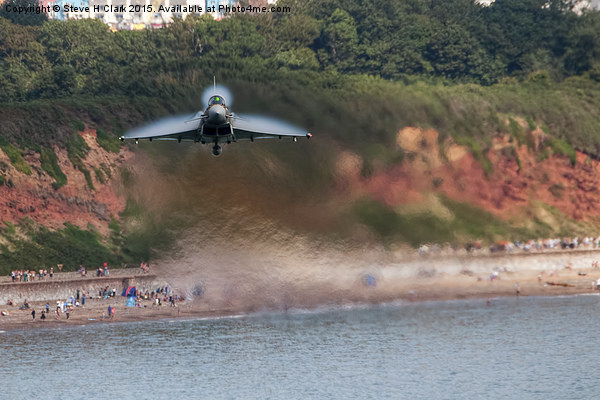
point(216, 100)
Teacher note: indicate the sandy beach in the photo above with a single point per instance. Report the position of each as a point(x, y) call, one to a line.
point(96, 312)
point(539, 275)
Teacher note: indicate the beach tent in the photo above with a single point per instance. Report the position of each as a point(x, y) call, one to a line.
point(129, 292)
point(131, 302)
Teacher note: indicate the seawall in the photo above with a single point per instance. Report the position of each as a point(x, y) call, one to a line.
point(402, 272)
point(485, 264)
point(63, 286)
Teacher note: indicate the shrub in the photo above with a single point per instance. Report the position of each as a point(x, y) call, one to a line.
point(78, 125)
point(479, 154)
point(16, 156)
point(50, 165)
point(107, 142)
point(562, 148)
point(99, 175)
point(517, 131)
point(77, 149)
point(541, 77)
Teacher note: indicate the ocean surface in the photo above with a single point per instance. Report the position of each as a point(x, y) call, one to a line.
point(527, 348)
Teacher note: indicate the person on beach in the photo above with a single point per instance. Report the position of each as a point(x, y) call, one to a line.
point(517, 289)
point(144, 267)
point(110, 311)
point(47, 308)
point(33, 313)
point(43, 317)
point(68, 313)
point(51, 272)
point(58, 309)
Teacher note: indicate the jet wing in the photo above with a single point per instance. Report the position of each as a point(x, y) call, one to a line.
point(259, 127)
point(171, 128)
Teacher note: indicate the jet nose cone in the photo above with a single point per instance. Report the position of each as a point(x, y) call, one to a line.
point(217, 114)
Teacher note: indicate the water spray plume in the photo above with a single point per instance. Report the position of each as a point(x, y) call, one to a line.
point(253, 265)
point(246, 246)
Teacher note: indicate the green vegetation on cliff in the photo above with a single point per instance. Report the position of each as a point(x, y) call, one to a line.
point(32, 246)
point(77, 149)
point(465, 223)
point(29, 245)
point(16, 156)
point(50, 165)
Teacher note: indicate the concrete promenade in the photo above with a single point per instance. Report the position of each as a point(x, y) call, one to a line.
point(65, 284)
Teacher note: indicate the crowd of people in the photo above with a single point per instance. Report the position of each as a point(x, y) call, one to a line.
point(30, 275)
point(64, 309)
point(507, 246)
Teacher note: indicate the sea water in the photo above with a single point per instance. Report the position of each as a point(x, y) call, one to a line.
point(526, 348)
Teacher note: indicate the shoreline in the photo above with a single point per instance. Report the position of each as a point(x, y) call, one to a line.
point(428, 278)
point(568, 282)
point(224, 314)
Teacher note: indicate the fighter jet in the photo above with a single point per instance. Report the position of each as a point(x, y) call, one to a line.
point(216, 125)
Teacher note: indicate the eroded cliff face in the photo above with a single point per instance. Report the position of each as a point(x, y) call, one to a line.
point(521, 183)
point(524, 181)
point(33, 196)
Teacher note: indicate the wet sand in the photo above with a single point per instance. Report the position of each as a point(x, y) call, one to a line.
point(440, 286)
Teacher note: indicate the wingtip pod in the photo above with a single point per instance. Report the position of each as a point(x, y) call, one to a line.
point(308, 135)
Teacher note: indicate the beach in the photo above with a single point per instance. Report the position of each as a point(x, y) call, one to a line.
point(95, 311)
point(419, 279)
